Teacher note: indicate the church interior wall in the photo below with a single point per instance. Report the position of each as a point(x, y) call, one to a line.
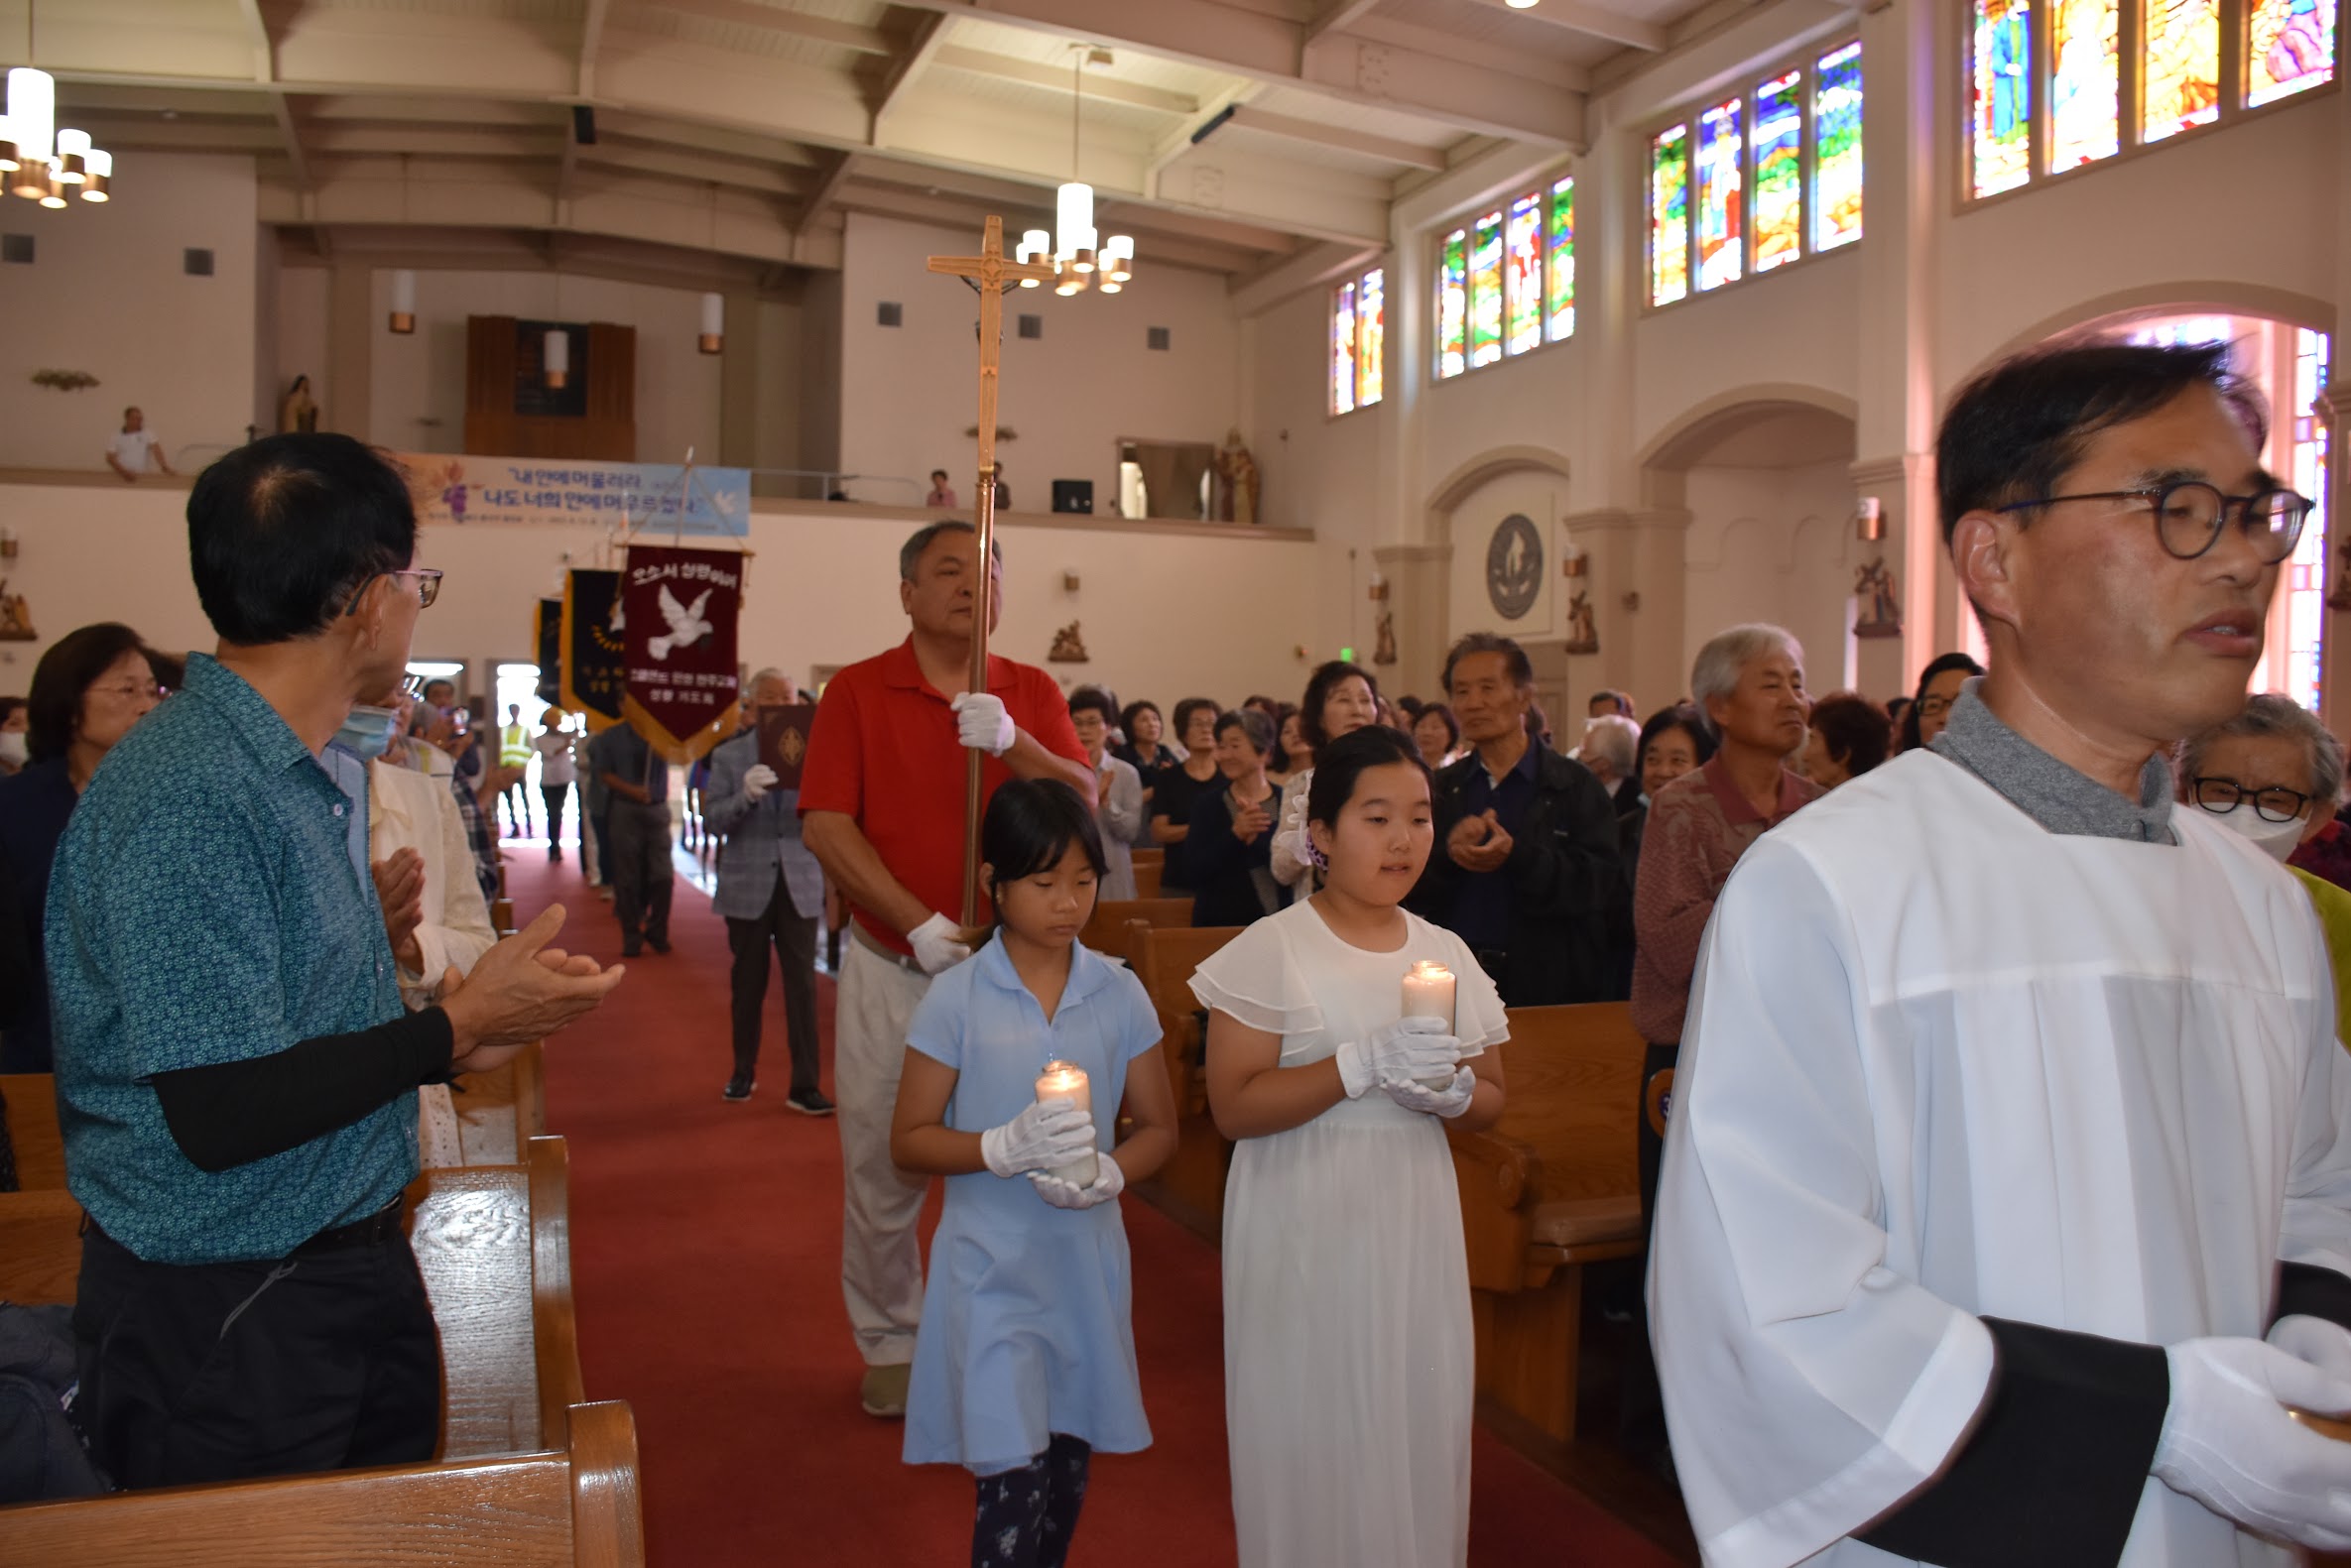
point(108, 294)
point(1069, 396)
point(1797, 327)
point(1772, 545)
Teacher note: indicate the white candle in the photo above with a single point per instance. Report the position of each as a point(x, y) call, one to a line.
point(1062, 1080)
point(1429, 994)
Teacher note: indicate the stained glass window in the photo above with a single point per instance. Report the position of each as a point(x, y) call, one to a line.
point(1342, 349)
point(1452, 306)
point(1669, 217)
point(2085, 81)
point(2305, 575)
point(1779, 171)
point(1836, 150)
point(1721, 184)
point(2001, 88)
point(1560, 302)
point(1371, 337)
point(2290, 46)
point(1485, 291)
point(1522, 264)
point(2181, 87)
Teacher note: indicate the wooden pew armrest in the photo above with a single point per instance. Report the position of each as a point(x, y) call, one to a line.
point(1512, 1167)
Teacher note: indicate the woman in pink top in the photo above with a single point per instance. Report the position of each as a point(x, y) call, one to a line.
point(1748, 682)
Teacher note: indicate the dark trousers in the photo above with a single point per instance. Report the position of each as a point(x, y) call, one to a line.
point(1025, 1517)
point(794, 936)
point(598, 822)
point(640, 871)
point(517, 800)
point(218, 1372)
point(554, 795)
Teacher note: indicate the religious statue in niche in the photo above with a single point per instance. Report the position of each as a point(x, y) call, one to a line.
point(1236, 476)
point(1583, 629)
point(1384, 639)
point(1069, 648)
point(1875, 614)
point(16, 617)
point(2340, 598)
point(1514, 567)
point(297, 411)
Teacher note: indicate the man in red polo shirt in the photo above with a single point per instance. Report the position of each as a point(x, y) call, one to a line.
point(881, 805)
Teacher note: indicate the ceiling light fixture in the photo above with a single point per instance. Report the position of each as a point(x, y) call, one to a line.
point(1079, 257)
point(404, 302)
point(42, 163)
point(1520, 5)
point(713, 335)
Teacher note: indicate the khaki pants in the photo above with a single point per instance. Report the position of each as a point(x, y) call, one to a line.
point(881, 1254)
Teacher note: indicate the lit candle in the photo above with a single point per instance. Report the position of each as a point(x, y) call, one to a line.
point(1429, 994)
point(1062, 1080)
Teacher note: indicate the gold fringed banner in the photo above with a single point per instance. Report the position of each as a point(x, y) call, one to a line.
point(592, 669)
point(680, 607)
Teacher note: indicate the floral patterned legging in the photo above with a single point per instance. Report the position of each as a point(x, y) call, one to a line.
point(1026, 1516)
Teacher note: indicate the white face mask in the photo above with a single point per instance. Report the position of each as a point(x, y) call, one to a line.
point(2278, 839)
point(12, 748)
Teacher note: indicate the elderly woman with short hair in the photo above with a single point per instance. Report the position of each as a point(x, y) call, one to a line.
point(1748, 685)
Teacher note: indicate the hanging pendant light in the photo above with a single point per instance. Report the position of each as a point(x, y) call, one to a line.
point(404, 302)
point(1074, 249)
point(713, 337)
point(556, 358)
point(39, 161)
point(1036, 245)
point(101, 169)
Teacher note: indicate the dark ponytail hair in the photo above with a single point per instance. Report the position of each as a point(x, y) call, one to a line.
point(1339, 765)
point(1031, 824)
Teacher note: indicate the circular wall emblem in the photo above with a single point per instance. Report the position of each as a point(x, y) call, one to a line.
point(1514, 567)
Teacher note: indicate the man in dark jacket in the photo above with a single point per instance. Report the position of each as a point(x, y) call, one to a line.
point(1525, 869)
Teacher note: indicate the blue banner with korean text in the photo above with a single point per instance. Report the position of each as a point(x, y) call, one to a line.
point(659, 497)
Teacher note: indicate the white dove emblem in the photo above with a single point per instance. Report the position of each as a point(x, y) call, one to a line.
point(687, 627)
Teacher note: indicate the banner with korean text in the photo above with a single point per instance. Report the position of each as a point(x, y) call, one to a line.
point(661, 498)
point(680, 609)
point(592, 669)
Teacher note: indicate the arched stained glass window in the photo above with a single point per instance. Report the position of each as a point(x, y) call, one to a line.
point(1669, 215)
point(1452, 306)
point(1342, 349)
point(2001, 89)
point(1836, 150)
point(1721, 225)
point(1560, 264)
point(1485, 291)
point(1779, 139)
point(1521, 271)
point(2085, 81)
point(1371, 337)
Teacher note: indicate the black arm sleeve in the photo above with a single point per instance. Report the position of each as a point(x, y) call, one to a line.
point(2050, 1477)
point(235, 1112)
point(2314, 1291)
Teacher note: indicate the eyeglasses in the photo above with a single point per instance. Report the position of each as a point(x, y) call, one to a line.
point(2220, 797)
point(131, 690)
point(1935, 707)
point(2191, 514)
point(427, 586)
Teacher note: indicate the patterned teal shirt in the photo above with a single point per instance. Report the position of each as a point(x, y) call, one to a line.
point(204, 909)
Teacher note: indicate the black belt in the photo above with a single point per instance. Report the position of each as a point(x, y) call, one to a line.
point(376, 1229)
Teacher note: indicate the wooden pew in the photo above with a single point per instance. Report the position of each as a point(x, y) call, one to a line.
point(581, 1505)
point(1152, 855)
point(40, 1249)
point(32, 1127)
point(1551, 1187)
point(1147, 877)
point(1106, 932)
point(1164, 958)
point(500, 1112)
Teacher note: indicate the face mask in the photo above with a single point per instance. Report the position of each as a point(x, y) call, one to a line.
point(12, 748)
point(2278, 839)
point(369, 730)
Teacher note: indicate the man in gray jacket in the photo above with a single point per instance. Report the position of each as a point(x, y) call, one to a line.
point(771, 890)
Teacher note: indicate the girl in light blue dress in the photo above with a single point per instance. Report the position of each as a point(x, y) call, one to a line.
point(1024, 1364)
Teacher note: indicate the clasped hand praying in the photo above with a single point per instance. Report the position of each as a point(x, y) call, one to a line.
point(1479, 843)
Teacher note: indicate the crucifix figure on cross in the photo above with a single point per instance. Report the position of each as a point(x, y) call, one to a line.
point(991, 271)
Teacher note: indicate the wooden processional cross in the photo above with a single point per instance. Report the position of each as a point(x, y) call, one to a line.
point(990, 272)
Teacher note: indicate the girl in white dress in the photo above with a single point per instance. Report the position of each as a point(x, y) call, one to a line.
point(1348, 1360)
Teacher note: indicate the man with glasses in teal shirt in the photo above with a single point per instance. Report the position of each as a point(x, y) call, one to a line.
point(236, 1073)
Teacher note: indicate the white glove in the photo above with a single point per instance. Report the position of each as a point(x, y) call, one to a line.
point(935, 944)
point(758, 780)
point(1405, 1048)
point(1050, 1132)
point(1108, 1183)
point(982, 724)
point(1449, 1102)
point(2323, 1344)
point(2229, 1443)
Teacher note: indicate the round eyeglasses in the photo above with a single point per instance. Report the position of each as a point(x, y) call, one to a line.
point(2220, 797)
point(2190, 515)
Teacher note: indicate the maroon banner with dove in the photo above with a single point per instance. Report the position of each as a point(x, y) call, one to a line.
point(680, 609)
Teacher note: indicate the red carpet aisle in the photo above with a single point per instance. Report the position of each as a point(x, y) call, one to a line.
point(706, 1264)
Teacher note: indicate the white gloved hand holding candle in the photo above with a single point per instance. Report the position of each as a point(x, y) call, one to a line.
point(1048, 1135)
point(1409, 1049)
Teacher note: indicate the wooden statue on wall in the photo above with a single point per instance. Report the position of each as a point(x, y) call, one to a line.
point(1384, 639)
point(1236, 473)
point(297, 411)
point(1878, 614)
point(16, 617)
point(1069, 648)
point(2340, 598)
point(1583, 628)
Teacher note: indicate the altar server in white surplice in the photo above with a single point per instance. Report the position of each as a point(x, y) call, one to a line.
point(2006, 1203)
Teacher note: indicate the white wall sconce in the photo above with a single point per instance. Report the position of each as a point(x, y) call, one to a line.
point(1869, 520)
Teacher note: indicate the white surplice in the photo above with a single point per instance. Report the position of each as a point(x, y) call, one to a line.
point(1941, 1062)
